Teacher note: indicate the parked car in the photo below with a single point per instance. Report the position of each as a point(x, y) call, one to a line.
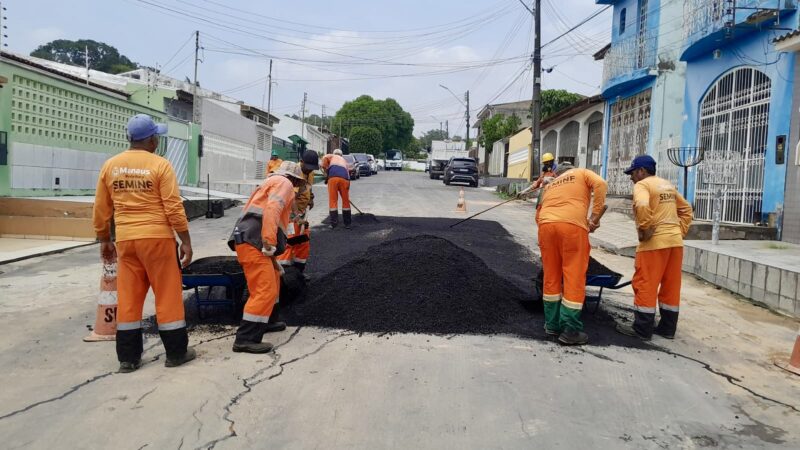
point(461, 170)
point(362, 159)
point(352, 166)
point(373, 164)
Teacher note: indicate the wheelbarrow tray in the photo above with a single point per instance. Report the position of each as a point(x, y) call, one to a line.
point(606, 280)
point(233, 280)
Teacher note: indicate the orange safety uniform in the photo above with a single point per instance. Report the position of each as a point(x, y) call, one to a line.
point(262, 223)
point(564, 244)
point(335, 167)
point(273, 165)
point(660, 209)
point(141, 191)
point(298, 246)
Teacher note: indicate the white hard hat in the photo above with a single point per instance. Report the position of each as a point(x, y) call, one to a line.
point(290, 169)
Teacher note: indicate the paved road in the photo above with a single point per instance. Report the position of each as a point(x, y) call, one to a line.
point(714, 386)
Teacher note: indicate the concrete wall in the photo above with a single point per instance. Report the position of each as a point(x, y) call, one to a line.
point(772, 286)
point(229, 144)
point(496, 159)
point(519, 155)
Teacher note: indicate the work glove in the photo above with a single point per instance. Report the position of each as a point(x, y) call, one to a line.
point(268, 250)
point(326, 180)
point(646, 234)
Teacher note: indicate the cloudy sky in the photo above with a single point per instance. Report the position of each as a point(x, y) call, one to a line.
point(336, 51)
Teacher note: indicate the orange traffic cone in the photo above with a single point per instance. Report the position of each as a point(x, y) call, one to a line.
point(461, 206)
point(105, 324)
point(793, 365)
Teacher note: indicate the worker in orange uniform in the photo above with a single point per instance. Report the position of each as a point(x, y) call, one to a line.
point(274, 162)
point(548, 171)
point(140, 190)
point(338, 180)
point(298, 246)
point(258, 237)
point(663, 217)
point(564, 243)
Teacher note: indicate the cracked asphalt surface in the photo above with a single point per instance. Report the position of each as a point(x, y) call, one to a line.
point(715, 386)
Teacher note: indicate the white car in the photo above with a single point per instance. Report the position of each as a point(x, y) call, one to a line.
point(373, 164)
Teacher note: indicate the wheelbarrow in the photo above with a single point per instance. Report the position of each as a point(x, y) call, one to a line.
point(213, 273)
point(604, 281)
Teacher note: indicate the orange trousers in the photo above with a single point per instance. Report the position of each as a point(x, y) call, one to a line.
point(263, 283)
point(565, 257)
point(657, 277)
point(296, 253)
point(146, 263)
point(338, 187)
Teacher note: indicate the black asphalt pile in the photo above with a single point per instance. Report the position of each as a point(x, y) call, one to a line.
point(358, 219)
point(214, 265)
point(595, 268)
point(422, 284)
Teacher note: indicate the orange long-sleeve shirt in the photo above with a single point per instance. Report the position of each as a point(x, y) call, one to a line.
point(658, 205)
point(140, 190)
point(567, 198)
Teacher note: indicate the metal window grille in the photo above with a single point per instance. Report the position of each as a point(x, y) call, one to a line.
point(628, 136)
point(642, 54)
point(733, 126)
point(594, 145)
point(550, 141)
point(568, 146)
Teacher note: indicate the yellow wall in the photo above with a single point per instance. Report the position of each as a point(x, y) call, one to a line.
point(519, 155)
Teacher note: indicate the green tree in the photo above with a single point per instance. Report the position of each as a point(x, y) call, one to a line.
point(554, 100)
point(497, 127)
point(430, 136)
point(366, 140)
point(387, 116)
point(102, 57)
point(415, 149)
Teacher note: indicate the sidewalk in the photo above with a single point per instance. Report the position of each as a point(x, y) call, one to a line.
point(765, 272)
point(13, 249)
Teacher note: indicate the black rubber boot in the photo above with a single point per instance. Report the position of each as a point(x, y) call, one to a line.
point(176, 343)
point(300, 266)
point(643, 323)
point(130, 347)
point(275, 323)
point(348, 218)
point(629, 330)
point(572, 337)
point(248, 338)
point(668, 324)
point(334, 218)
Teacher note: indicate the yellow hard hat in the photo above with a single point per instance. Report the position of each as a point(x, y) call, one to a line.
point(547, 157)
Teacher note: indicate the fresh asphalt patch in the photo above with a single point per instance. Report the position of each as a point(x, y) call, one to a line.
point(418, 275)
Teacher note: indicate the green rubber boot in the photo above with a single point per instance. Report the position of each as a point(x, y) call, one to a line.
point(570, 319)
point(552, 325)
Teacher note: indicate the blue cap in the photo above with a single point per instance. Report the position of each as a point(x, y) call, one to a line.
point(142, 126)
point(642, 162)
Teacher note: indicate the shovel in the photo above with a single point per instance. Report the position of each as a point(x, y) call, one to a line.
point(356, 207)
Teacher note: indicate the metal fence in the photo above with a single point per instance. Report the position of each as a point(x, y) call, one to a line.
point(628, 135)
point(734, 119)
point(630, 54)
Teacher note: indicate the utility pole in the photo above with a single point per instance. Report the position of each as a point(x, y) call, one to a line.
point(303, 116)
point(86, 60)
point(196, 103)
point(536, 100)
point(466, 97)
point(3, 27)
point(447, 129)
point(322, 119)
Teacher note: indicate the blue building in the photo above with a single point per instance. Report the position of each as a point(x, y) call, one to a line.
point(738, 104)
point(643, 84)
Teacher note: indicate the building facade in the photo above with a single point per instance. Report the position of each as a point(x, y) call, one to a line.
point(643, 83)
point(575, 134)
point(519, 155)
point(57, 129)
point(738, 102)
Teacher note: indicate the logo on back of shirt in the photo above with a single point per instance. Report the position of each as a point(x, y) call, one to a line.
point(132, 180)
point(667, 195)
point(117, 171)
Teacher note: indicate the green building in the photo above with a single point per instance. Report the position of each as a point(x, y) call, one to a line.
point(57, 129)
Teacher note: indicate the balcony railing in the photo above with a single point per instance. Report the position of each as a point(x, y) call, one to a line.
point(629, 55)
point(704, 16)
